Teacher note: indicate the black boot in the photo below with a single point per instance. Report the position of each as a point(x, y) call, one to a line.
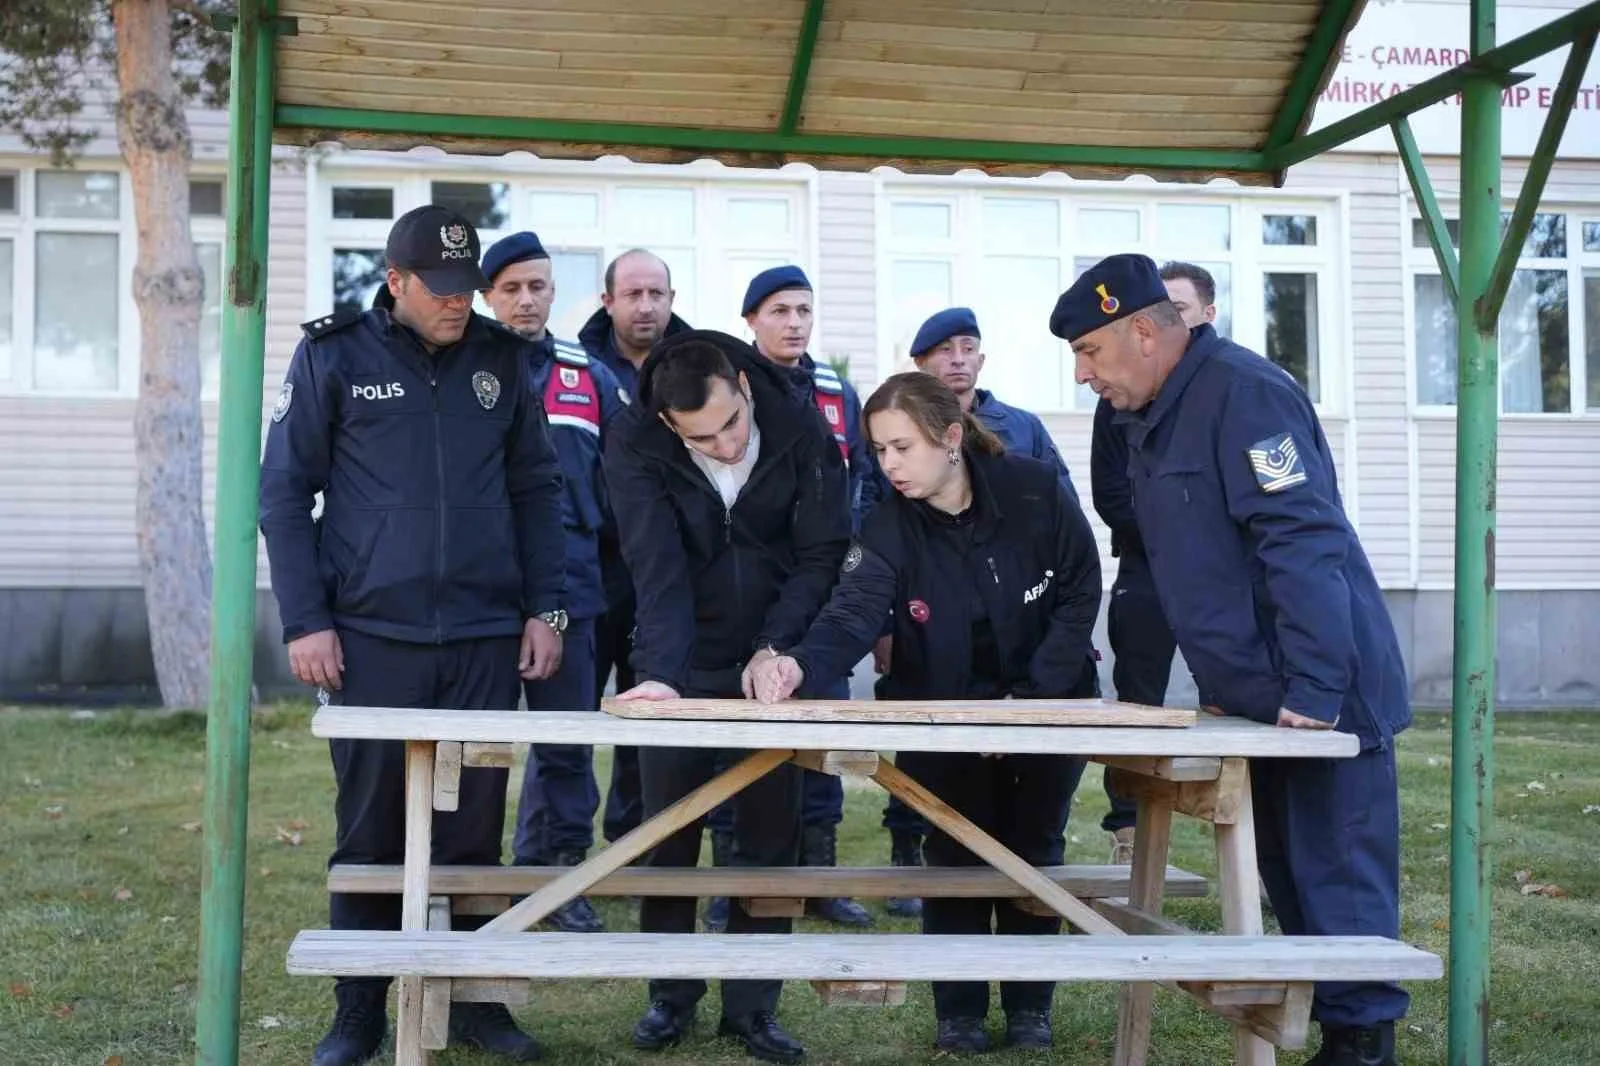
point(905, 849)
point(490, 1027)
point(663, 1025)
point(576, 915)
point(716, 915)
point(1371, 1045)
point(360, 1024)
point(961, 1036)
point(819, 846)
point(763, 1037)
point(1028, 1029)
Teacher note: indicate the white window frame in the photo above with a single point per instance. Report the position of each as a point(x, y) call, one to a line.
point(1248, 258)
point(213, 229)
point(714, 303)
point(1420, 261)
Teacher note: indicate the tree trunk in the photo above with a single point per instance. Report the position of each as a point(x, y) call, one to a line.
point(174, 554)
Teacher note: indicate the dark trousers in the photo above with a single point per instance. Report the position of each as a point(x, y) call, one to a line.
point(1328, 843)
point(370, 803)
point(613, 644)
point(766, 832)
point(555, 813)
point(1022, 801)
point(821, 795)
point(1142, 646)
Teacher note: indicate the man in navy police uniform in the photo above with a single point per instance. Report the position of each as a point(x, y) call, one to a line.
point(555, 814)
point(433, 577)
point(1274, 605)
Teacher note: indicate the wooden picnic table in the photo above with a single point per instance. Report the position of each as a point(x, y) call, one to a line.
point(1260, 985)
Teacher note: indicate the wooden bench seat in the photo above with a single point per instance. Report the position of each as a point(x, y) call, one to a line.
point(867, 882)
point(854, 957)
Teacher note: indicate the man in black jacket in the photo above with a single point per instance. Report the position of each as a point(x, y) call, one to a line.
point(433, 576)
point(727, 500)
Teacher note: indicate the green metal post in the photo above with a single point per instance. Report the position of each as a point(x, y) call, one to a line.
point(1472, 703)
point(234, 586)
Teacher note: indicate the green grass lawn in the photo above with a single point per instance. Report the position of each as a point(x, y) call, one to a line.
point(99, 918)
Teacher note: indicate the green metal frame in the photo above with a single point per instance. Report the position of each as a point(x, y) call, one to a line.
point(800, 73)
point(1477, 283)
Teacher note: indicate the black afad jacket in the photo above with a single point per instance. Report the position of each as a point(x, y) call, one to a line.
point(713, 583)
point(1033, 559)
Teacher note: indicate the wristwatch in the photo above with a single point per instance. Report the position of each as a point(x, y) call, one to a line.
point(556, 620)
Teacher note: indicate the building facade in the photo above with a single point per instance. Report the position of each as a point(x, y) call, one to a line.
point(1330, 276)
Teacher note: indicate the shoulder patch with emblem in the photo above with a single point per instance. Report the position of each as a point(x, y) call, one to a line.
point(852, 558)
point(1277, 464)
point(321, 327)
point(285, 398)
point(486, 387)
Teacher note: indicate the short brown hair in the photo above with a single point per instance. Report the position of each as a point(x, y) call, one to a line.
point(929, 403)
point(1205, 286)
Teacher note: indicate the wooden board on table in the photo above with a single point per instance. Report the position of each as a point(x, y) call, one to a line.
point(1092, 712)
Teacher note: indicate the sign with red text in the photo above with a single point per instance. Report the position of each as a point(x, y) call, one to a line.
point(1399, 43)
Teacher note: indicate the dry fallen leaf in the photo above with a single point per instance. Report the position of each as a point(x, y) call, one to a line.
point(112, 1060)
point(124, 763)
point(20, 991)
point(62, 1011)
point(1535, 786)
point(282, 744)
point(122, 895)
point(287, 837)
point(1548, 891)
point(54, 811)
point(1442, 925)
point(1522, 877)
point(31, 782)
point(299, 825)
point(270, 1022)
point(123, 831)
point(1438, 827)
point(1540, 1016)
point(190, 827)
point(266, 871)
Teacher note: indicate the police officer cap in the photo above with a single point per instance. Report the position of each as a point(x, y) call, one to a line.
point(517, 248)
point(951, 322)
point(1113, 288)
point(440, 247)
point(775, 279)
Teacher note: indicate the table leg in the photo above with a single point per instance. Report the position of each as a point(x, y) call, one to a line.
point(1151, 844)
point(635, 843)
point(408, 1049)
point(1240, 889)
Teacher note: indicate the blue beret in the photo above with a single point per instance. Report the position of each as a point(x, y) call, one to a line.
point(775, 279)
point(951, 322)
point(517, 248)
point(1113, 288)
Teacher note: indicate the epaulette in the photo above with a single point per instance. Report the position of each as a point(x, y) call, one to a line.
point(321, 327)
point(571, 354)
point(824, 378)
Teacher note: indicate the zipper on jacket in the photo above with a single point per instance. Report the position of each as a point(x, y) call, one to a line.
point(438, 455)
point(993, 572)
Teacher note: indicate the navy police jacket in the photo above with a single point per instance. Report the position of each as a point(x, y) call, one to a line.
point(1266, 585)
point(818, 385)
point(1032, 558)
point(580, 396)
point(714, 583)
point(1021, 432)
point(441, 513)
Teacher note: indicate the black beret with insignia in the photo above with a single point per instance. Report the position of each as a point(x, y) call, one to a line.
point(1115, 287)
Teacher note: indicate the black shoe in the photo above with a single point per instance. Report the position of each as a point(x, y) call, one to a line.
point(576, 915)
point(839, 910)
point(763, 1037)
point(905, 849)
point(716, 914)
point(1366, 1046)
point(1028, 1029)
point(489, 1027)
point(961, 1036)
point(662, 1026)
point(819, 846)
point(359, 1027)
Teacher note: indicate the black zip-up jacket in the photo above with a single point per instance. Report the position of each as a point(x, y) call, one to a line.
point(1030, 555)
point(714, 583)
point(441, 515)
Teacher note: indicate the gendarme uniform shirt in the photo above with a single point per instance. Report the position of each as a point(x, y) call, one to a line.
point(729, 478)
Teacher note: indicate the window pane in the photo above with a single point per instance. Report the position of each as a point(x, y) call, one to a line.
point(578, 276)
point(566, 210)
point(1591, 236)
point(7, 288)
point(210, 254)
point(1014, 221)
point(75, 311)
point(1104, 226)
point(1029, 364)
point(8, 194)
point(76, 194)
point(647, 215)
point(752, 220)
point(205, 198)
point(1535, 375)
point(1291, 312)
point(1435, 334)
point(353, 202)
point(1299, 230)
point(1419, 233)
point(1547, 235)
point(357, 273)
point(1591, 332)
point(1207, 226)
point(918, 288)
point(487, 205)
point(920, 220)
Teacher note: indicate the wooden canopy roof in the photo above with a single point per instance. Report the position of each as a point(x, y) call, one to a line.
point(1181, 89)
